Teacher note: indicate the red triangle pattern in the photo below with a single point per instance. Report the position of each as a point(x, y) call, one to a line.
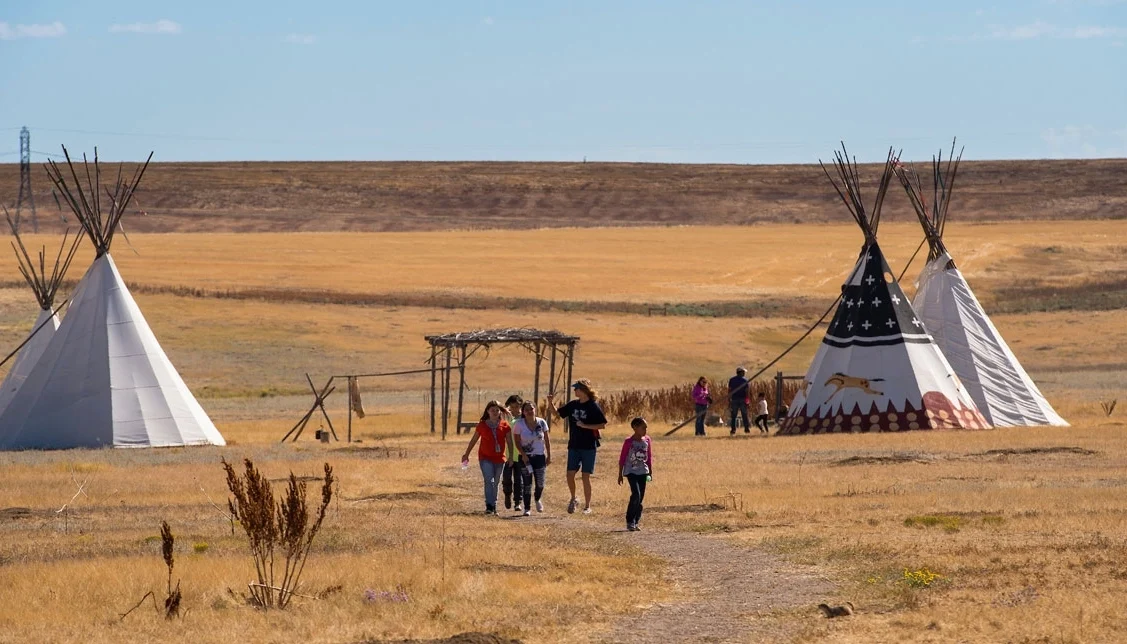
point(936, 412)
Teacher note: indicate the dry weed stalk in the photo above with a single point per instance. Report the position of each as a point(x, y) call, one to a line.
point(1109, 406)
point(281, 526)
point(173, 597)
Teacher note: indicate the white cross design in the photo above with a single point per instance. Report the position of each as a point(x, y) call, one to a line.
point(849, 326)
point(896, 299)
point(867, 257)
point(890, 323)
point(866, 325)
point(849, 303)
point(915, 322)
point(869, 280)
point(876, 301)
point(860, 301)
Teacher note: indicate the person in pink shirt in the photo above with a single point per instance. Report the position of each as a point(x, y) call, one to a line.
point(701, 400)
point(635, 464)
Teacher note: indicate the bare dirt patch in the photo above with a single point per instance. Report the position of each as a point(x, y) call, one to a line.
point(729, 593)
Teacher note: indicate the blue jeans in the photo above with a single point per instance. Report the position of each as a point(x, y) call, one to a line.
point(739, 408)
point(491, 476)
point(702, 410)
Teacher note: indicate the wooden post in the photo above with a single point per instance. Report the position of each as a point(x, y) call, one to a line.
point(536, 376)
point(433, 384)
point(570, 365)
point(446, 395)
point(778, 393)
point(551, 380)
point(351, 379)
point(461, 385)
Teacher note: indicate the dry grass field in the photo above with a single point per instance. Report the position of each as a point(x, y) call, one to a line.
point(343, 196)
point(1013, 535)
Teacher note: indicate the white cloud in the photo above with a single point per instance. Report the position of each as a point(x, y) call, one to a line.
point(1040, 29)
point(488, 21)
point(301, 39)
point(162, 26)
point(1080, 141)
point(12, 32)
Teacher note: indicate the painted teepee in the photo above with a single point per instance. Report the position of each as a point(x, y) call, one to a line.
point(45, 286)
point(987, 368)
point(877, 369)
point(103, 380)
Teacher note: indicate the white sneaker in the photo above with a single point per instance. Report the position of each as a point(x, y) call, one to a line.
point(520, 507)
point(571, 505)
point(587, 510)
point(539, 506)
point(526, 513)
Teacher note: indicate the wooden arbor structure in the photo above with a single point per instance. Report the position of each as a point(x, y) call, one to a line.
point(455, 348)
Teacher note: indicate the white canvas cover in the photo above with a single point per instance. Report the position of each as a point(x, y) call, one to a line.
point(46, 323)
point(877, 368)
point(1002, 390)
point(104, 380)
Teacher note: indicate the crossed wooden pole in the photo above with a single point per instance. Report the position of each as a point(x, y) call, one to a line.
point(318, 403)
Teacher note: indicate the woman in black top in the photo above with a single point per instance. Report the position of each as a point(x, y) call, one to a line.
point(586, 420)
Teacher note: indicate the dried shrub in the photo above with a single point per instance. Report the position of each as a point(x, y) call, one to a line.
point(273, 527)
point(676, 403)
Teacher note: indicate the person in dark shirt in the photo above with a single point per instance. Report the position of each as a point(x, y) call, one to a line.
point(737, 399)
point(586, 420)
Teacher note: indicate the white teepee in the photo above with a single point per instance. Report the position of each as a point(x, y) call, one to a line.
point(45, 286)
point(103, 380)
point(988, 369)
point(877, 369)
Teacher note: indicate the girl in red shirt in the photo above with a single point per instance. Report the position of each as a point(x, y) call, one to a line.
point(493, 432)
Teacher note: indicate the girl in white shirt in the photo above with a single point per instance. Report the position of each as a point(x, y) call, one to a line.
point(530, 434)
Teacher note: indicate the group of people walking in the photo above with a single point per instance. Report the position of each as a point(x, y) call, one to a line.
point(739, 402)
point(514, 451)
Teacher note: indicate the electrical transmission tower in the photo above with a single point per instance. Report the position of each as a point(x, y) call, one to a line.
point(26, 196)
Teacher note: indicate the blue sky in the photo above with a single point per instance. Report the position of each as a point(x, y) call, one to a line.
point(610, 80)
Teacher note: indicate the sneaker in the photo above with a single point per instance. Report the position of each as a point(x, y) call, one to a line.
point(587, 510)
point(637, 527)
point(527, 513)
point(631, 527)
point(520, 507)
point(539, 506)
point(571, 505)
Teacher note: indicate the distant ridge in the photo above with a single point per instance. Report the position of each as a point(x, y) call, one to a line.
point(408, 196)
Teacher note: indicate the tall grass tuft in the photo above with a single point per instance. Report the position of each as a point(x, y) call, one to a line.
point(281, 526)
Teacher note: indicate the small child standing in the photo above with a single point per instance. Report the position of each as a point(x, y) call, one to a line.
point(761, 413)
point(635, 463)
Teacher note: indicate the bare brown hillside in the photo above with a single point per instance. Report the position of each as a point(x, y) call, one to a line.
point(376, 196)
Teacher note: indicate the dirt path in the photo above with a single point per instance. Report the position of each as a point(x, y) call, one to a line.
point(727, 593)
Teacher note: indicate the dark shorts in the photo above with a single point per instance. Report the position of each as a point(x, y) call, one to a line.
point(581, 459)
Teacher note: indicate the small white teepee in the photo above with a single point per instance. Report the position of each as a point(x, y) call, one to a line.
point(103, 380)
point(877, 369)
point(45, 286)
point(988, 369)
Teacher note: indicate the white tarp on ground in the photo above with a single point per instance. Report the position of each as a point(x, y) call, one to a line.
point(104, 380)
point(1003, 391)
point(878, 369)
point(28, 355)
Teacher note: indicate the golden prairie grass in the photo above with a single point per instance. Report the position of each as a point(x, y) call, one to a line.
point(1026, 545)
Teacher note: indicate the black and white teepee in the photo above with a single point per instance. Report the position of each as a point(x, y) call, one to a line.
point(988, 369)
point(877, 369)
point(103, 380)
